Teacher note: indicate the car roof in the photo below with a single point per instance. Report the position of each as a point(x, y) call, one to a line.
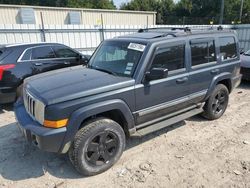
point(158, 34)
point(27, 45)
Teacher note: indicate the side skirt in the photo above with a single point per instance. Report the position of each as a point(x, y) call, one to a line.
point(170, 119)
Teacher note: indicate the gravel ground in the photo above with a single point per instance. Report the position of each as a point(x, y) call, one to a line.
point(192, 153)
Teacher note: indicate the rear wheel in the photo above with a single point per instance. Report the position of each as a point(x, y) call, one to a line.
point(97, 146)
point(217, 103)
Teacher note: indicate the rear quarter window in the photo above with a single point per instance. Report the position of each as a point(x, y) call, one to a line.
point(228, 49)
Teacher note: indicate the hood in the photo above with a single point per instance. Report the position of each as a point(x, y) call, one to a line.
point(72, 83)
point(245, 61)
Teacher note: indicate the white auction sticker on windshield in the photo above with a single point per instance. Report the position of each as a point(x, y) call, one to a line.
point(138, 47)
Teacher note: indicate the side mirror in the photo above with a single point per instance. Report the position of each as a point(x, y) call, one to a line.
point(156, 73)
point(84, 59)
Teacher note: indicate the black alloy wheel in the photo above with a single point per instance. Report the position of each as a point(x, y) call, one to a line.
point(102, 148)
point(219, 102)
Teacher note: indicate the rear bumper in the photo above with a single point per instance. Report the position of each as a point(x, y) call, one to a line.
point(44, 138)
point(7, 95)
point(246, 73)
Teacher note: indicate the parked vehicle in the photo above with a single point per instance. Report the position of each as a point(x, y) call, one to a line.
point(134, 84)
point(20, 61)
point(245, 65)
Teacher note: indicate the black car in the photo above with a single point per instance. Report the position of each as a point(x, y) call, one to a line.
point(245, 65)
point(20, 61)
point(149, 80)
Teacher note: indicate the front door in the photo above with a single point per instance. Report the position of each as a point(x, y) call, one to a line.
point(156, 98)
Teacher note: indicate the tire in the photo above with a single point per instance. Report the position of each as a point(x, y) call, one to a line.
point(217, 103)
point(97, 146)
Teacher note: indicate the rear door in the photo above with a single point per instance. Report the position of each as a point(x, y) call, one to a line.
point(44, 59)
point(203, 58)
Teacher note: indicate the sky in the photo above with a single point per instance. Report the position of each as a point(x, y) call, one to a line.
point(119, 2)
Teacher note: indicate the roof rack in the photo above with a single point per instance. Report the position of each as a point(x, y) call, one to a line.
point(185, 29)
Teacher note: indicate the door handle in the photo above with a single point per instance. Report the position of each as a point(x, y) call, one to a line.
point(38, 64)
point(182, 80)
point(66, 62)
point(215, 71)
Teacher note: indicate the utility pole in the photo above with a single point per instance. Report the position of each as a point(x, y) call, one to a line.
point(221, 12)
point(241, 9)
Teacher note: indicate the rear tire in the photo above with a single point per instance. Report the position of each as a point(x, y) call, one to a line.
point(97, 146)
point(217, 103)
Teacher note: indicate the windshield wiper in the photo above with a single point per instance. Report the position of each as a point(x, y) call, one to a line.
point(104, 70)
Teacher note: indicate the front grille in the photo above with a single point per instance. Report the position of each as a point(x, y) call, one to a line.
point(34, 107)
point(30, 104)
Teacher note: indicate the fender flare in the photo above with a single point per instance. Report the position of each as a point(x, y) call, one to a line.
point(83, 113)
point(216, 80)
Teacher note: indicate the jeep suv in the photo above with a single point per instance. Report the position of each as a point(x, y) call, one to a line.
point(133, 84)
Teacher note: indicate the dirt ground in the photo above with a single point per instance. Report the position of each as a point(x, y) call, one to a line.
point(192, 153)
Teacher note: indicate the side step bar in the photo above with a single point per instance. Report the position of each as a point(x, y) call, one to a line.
point(160, 125)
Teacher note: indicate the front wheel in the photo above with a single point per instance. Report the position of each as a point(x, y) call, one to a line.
point(97, 146)
point(217, 103)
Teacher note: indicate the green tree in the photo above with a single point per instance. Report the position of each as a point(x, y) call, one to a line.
point(163, 8)
point(96, 4)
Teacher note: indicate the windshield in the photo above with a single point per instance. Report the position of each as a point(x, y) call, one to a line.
point(117, 57)
point(247, 53)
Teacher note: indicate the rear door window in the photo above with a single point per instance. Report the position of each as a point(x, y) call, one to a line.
point(64, 52)
point(228, 49)
point(202, 52)
point(44, 52)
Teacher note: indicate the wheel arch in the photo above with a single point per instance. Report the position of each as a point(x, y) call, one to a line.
point(117, 110)
point(224, 78)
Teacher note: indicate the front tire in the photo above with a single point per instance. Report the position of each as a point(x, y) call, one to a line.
point(97, 146)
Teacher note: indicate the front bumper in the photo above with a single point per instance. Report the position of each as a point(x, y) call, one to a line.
point(246, 73)
point(7, 95)
point(46, 139)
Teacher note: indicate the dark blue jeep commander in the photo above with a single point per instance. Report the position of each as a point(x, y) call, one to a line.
point(133, 84)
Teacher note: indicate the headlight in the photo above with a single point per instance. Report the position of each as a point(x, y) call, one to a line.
point(39, 111)
point(34, 107)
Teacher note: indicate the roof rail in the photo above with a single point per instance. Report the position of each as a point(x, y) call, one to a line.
point(185, 29)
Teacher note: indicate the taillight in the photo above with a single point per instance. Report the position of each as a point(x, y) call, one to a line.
point(4, 68)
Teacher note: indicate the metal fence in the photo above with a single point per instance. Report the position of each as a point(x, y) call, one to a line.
point(86, 38)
